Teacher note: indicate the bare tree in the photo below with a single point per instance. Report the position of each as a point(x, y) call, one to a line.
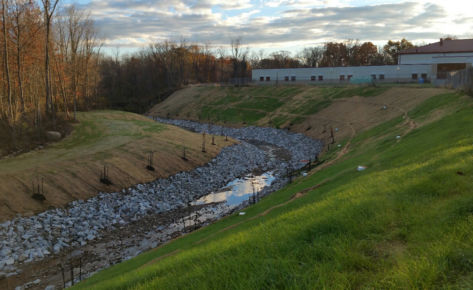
point(312, 56)
point(239, 57)
point(236, 48)
point(89, 44)
point(221, 52)
point(18, 29)
point(48, 10)
point(61, 61)
point(5, 58)
point(22, 36)
point(76, 30)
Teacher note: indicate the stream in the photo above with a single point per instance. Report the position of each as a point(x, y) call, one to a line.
point(238, 190)
point(92, 235)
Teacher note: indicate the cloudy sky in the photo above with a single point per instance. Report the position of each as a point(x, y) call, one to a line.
point(276, 24)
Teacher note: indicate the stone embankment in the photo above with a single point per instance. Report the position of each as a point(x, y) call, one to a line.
point(27, 239)
point(300, 146)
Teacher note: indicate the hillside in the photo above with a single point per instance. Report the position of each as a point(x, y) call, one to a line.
point(71, 168)
point(311, 110)
point(404, 222)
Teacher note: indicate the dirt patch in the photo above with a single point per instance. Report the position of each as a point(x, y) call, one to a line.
point(362, 113)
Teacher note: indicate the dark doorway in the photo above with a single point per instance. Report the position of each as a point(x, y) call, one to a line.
point(443, 69)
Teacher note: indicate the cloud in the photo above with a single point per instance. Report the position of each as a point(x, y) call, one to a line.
point(273, 23)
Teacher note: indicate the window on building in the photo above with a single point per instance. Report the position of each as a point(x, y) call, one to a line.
point(293, 78)
point(373, 77)
point(349, 77)
point(342, 77)
point(312, 78)
point(414, 76)
point(423, 76)
point(261, 79)
point(381, 76)
point(321, 78)
point(286, 78)
point(268, 79)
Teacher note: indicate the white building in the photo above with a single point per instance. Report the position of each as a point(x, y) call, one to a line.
point(351, 74)
point(445, 56)
point(426, 63)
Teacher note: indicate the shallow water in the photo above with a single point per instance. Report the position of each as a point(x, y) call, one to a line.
point(238, 190)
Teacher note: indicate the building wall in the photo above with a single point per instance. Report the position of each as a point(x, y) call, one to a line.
point(436, 58)
point(332, 74)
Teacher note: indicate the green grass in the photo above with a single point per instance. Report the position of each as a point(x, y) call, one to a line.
point(251, 104)
point(278, 121)
point(328, 94)
point(96, 132)
point(260, 103)
point(95, 127)
point(312, 107)
point(348, 92)
point(228, 99)
point(404, 223)
point(441, 101)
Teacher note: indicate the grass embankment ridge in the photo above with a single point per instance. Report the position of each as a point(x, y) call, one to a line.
point(71, 168)
point(311, 110)
point(405, 222)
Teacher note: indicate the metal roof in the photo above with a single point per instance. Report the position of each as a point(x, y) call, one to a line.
point(443, 46)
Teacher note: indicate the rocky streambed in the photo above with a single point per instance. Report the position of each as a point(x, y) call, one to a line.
point(154, 212)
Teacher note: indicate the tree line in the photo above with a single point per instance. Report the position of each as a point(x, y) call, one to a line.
point(332, 54)
point(50, 68)
point(135, 82)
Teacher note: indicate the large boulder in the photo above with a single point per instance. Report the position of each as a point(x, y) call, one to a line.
point(53, 136)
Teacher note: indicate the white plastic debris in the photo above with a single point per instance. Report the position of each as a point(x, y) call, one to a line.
point(304, 174)
point(339, 145)
point(398, 137)
point(242, 213)
point(385, 107)
point(361, 168)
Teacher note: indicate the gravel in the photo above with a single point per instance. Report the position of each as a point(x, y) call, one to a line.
point(27, 239)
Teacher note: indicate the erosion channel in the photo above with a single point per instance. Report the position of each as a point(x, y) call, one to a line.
point(87, 236)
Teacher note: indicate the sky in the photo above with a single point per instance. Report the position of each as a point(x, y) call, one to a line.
point(271, 25)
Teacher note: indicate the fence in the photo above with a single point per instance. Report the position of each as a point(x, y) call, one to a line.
point(461, 80)
point(240, 81)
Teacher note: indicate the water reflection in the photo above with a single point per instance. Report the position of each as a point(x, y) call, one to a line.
point(238, 190)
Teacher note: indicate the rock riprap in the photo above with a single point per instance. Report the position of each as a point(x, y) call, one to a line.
point(299, 145)
point(27, 239)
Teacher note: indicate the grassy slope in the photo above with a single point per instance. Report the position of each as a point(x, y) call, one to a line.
point(307, 109)
point(405, 222)
point(249, 105)
point(71, 168)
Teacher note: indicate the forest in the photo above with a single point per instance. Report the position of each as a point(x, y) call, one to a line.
point(50, 63)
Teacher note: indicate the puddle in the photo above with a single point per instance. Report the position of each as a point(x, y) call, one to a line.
point(238, 190)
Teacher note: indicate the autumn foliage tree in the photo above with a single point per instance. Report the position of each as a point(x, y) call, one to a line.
point(135, 82)
point(364, 54)
point(393, 48)
point(46, 64)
